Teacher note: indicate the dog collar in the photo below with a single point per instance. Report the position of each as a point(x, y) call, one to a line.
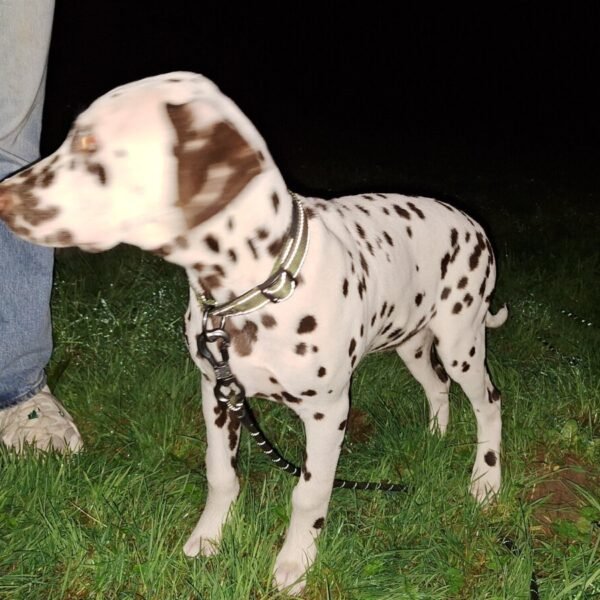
point(280, 284)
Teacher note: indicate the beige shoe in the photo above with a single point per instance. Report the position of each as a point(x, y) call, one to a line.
point(41, 422)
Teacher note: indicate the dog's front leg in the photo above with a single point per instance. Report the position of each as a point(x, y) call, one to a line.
point(222, 437)
point(310, 499)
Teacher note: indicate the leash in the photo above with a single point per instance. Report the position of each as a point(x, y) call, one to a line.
point(231, 393)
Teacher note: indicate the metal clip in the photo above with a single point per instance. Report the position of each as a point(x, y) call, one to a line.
point(228, 390)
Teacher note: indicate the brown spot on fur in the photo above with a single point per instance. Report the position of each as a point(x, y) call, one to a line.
point(307, 324)
point(212, 242)
point(300, 349)
point(318, 524)
point(363, 263)
point(453, 237)
point(62, 237)
point(210, 282)
point(352, 347)
point(268, 321)
point(416, 210)
point(289, 398)
point(47, 178)
point(480, 246)
point(321, 372)
point(243, 339)
point(252, 247)
point(482, 287)
point(383, 309)
point(221, 412)
point(162, 251)
point(181, 241)
point(493, 395)
point(233, 427)
point(462, 283)
point(445, 293)
point(444, 264)
point(274, 248)
point(490, 458)
point(401, 212)
point(318, 416)
point(99, 171)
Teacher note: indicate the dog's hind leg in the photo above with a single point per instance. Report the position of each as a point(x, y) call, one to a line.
point(421, 359)
point(464, 358)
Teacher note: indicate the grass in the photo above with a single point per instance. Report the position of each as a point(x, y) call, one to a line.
point(111, 522)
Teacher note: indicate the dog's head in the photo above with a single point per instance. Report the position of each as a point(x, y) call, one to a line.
point(144, 164)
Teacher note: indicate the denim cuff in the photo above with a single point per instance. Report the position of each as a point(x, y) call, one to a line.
point(8, 402)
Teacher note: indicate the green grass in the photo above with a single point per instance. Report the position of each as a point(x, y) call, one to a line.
point(110, 523)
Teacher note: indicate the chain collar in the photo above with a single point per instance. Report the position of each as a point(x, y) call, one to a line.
point(281, 282)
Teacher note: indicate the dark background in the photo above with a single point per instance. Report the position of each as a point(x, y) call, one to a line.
point(361, 99)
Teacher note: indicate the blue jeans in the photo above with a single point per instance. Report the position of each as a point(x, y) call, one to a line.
point(25, 269)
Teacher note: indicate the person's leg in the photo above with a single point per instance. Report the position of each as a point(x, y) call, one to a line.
point(25, 269)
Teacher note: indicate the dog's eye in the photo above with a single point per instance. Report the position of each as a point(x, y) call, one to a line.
point(85, 142)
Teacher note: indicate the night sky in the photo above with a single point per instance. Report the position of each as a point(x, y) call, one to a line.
point(353, 86)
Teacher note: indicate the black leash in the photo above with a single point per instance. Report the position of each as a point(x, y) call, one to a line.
point(230, 393)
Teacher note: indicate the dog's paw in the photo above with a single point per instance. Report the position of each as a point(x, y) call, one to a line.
point(289, 576)
point(200, 546)
point(485, 488)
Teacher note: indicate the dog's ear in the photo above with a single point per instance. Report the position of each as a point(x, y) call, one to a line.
point(214, 162)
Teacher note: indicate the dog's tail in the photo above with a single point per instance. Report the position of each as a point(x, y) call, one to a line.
point(498, 319)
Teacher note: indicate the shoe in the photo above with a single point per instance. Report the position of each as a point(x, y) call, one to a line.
point(41, 422)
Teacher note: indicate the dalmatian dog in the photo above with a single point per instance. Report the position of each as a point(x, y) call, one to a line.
point(171, 165)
